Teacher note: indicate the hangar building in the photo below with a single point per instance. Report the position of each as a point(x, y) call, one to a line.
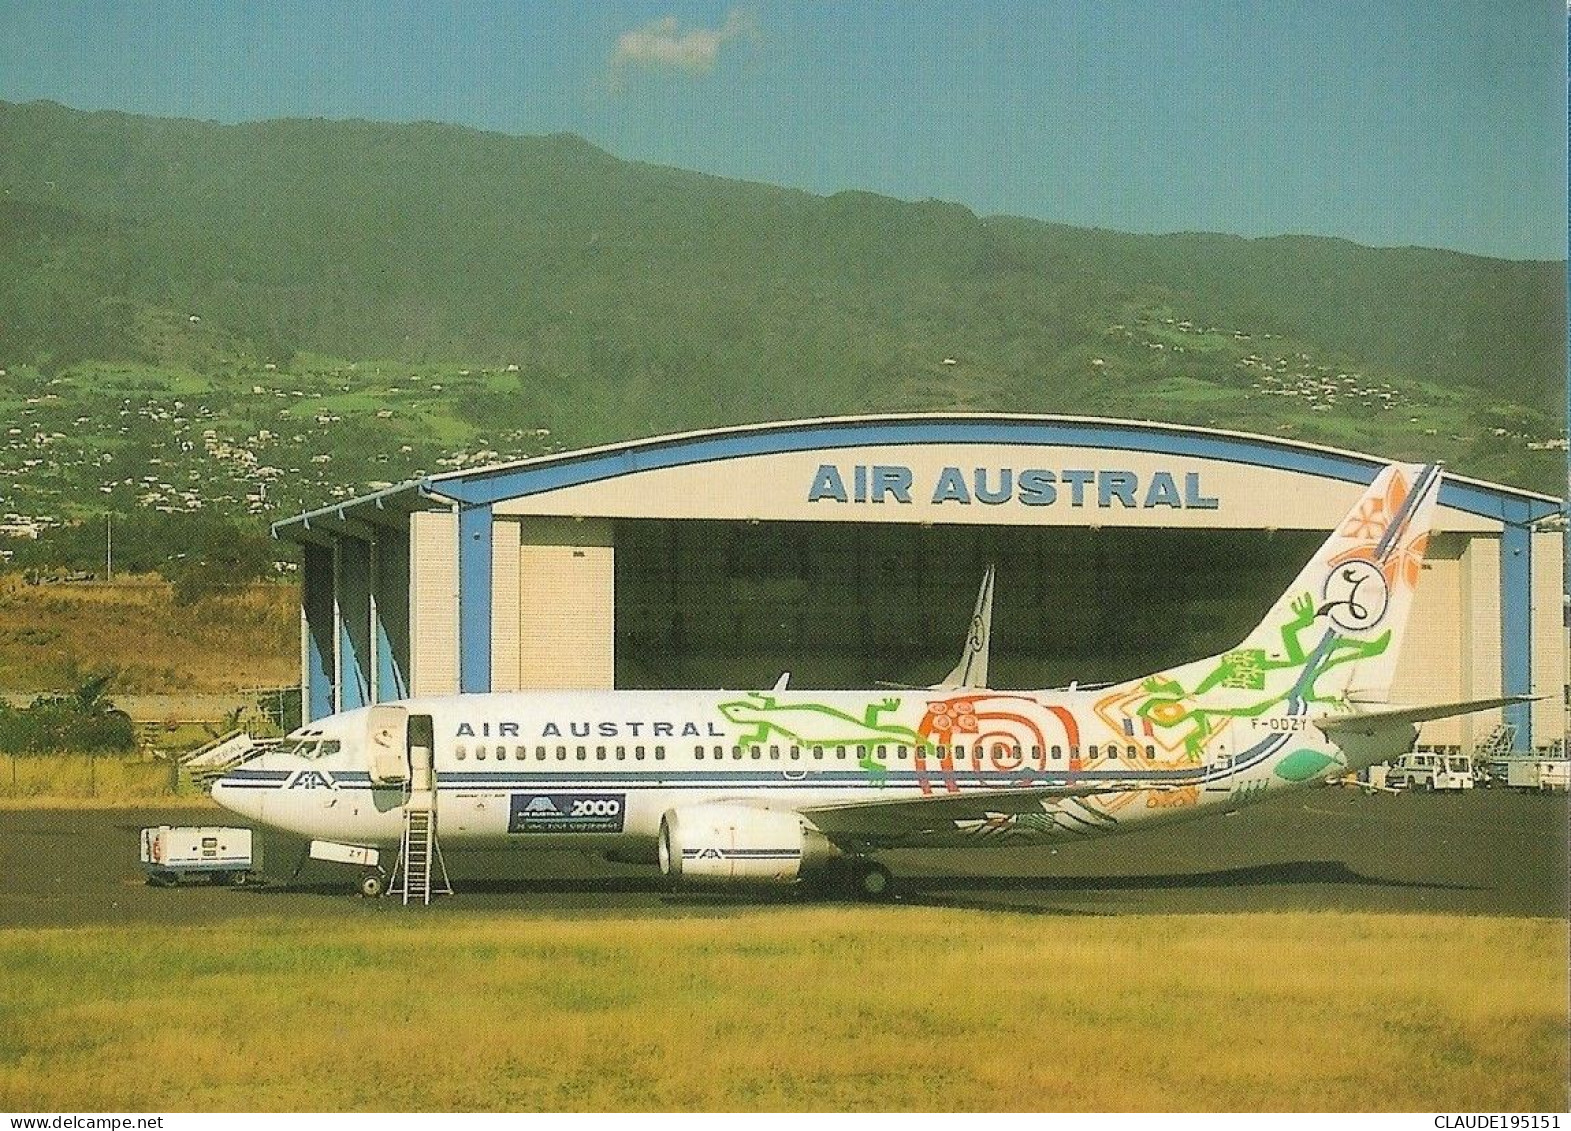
point(848, 551)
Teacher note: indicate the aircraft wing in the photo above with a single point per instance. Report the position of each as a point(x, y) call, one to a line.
point(901, 816)
point(1371, 723)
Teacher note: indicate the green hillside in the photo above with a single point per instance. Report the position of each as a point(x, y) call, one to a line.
point(402, 298)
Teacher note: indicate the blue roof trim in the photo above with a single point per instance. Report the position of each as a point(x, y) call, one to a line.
point(535, 477)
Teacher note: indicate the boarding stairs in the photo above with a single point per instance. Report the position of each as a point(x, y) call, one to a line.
point(420, 871)
point(1499, 743)
point(208, 763)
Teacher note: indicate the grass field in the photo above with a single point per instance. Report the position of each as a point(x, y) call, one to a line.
point(794, 1008)
point(104, 779)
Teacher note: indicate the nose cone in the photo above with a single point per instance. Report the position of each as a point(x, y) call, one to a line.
point(241, 793)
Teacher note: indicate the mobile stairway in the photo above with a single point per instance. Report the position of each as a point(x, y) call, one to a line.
point(419, 873)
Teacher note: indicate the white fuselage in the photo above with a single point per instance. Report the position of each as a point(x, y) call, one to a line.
point(598, 770)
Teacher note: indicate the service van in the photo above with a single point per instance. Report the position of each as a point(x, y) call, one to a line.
point(1430, 770)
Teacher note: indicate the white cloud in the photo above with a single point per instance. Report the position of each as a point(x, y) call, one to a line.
point(663, 46)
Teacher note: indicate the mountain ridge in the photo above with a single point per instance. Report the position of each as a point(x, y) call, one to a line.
point(612, 299)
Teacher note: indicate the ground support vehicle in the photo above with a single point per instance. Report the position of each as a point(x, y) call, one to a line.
point(223, 854)
point(1430, 770)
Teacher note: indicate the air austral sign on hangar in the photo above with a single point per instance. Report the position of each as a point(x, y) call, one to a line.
point(1101, 488)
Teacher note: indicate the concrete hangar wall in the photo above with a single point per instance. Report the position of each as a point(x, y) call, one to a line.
point(859, 542)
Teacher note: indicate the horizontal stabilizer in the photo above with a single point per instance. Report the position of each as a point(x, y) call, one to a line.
point(1374, 722)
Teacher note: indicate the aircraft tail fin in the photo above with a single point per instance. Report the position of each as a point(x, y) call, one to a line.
point(971, 671)
point(1336, 632)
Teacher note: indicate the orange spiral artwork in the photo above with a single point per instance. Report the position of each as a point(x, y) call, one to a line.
point(1002, 734)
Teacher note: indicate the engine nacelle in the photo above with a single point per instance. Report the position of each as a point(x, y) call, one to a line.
point(726, 842)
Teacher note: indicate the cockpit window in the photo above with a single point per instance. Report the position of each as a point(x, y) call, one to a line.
point(310, 747)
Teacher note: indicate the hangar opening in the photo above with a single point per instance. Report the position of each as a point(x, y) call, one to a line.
point(733, 604)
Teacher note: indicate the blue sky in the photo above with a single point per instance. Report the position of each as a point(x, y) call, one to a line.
point(1439, 123)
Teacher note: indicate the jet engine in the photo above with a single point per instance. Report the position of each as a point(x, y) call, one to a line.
point(728, 842)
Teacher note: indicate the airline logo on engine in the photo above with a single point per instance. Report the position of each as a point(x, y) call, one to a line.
point(566, 812)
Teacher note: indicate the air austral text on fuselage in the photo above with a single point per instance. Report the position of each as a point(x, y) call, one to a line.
point(994, 486)
point(586, 728)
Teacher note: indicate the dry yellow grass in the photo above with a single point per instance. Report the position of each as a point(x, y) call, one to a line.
point(48, 632)
point(839, 1008)
point(73, 780)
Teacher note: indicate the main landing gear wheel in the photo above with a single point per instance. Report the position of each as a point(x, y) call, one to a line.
point(870, 880)
point(372, 885)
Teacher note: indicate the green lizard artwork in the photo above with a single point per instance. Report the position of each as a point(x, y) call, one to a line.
point(1249, 669)
point(817, 724)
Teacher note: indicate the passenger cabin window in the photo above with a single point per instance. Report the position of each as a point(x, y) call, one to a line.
point(599, 753)
point(561, 753)
point(460, 753)
point(659, 753)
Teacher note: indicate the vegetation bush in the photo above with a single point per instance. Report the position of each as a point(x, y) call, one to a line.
point(200, 555)
point(85, 721)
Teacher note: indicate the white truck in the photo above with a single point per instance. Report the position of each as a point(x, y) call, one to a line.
point(1429, 770)
point(1554, 774)
point(1530, 771)
point(221, 853)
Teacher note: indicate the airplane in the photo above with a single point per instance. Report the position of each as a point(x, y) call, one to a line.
point(786, 785)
